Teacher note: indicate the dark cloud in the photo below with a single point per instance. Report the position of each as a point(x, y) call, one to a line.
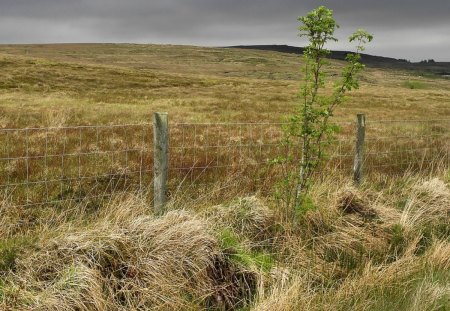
point(414, 29)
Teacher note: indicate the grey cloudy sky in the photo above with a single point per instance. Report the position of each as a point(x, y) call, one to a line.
point(412, 29)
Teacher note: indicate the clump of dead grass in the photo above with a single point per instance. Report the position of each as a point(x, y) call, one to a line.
point(248, 217)
point(120, 262)
point(352, 202)
point(429, 204)
point(355, 249)
point(363, 253)
point(410, 283)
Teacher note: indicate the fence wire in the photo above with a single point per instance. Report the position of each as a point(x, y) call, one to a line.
point(52, 165)
point(239, 154)
point(90, 163)
point(393, 147)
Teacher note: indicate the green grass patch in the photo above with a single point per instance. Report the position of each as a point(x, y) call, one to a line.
point(306, 206)
point(415, 85)
point(8, 255)
point(238, 254)
point(397, 242)
point(9, 252)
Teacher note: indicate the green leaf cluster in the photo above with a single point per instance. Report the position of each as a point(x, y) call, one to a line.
point(310, 128)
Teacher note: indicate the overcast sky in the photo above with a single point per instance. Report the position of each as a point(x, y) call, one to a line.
point(412, 29)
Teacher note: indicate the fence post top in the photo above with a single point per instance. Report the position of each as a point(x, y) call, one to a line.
point(361, 119)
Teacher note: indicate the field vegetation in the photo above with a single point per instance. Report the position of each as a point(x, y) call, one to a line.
point(45, 85)
point(383, 246)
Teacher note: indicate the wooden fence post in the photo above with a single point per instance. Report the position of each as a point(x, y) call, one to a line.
point(359, 152)
point(160, 159)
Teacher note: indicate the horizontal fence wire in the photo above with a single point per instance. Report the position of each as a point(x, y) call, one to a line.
point(393, 147)
point(55, 165)
point(86, 163)
point(239, 155)
point(228, 154)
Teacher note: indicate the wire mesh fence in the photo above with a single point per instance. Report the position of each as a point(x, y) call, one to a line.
point(393, 147)
point(239, 155)
point(90, 163)
point(52, 165)
point(202, 154)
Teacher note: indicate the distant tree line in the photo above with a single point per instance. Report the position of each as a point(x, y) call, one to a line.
point(427, 61)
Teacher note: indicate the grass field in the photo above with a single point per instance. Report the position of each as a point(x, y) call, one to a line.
point(383, 246)
point(44, 85)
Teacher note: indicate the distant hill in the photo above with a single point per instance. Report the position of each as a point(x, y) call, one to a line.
point(438, 68)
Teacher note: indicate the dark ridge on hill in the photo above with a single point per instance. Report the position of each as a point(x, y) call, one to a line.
point(429, 66)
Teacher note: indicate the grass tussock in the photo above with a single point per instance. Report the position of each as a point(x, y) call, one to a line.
point(369, 248)
point(124, 261)
point(248, 217)
point(395, 259)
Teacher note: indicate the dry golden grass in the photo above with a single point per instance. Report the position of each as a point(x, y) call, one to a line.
point(390, 261)
point(384, 246)
point(73, 84)
point(356, 249)
point(104, 84)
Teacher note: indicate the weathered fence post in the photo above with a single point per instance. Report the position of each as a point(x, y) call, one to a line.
point(160, 159)
point(359, 152)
